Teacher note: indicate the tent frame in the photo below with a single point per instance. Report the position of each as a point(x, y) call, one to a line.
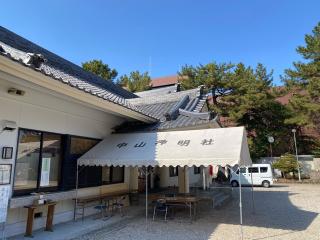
point(148, 171)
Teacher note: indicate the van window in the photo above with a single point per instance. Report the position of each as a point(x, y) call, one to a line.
point(253, 170)
point(263, 169)
point(243, 170)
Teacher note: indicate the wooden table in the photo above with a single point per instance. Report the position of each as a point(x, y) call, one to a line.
point(31, 210)
point(188, 201)
point(82, 202)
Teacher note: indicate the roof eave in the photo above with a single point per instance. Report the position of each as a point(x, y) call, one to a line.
point(18, 70)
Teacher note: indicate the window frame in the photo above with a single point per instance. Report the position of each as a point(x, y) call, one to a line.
point(68, 154)
point(250, 169)
point(38, 188)
point(171, 173)
point(196, 170)
point(65, 142)
point(263, 168)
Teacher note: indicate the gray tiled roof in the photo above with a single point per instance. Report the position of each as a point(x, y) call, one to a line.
point(22, 51)
point(160, 98)
point(171, 109)
point(158, 91)
point(189, 115)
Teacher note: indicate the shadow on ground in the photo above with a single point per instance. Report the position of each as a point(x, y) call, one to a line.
point(274, 212)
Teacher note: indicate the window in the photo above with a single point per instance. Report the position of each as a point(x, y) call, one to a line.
point(253, 170)
point(196, 170)
point(51, 160)
point(89, 176)
point(243, 170)
point(80, 145)
point(38, 162)
point(112, 175)
point(263, 169)
point(27, 164)
point(173, 171)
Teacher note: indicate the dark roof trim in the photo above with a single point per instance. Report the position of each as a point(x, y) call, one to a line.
point(39, 64)
point(174, 111)
point(200, 115)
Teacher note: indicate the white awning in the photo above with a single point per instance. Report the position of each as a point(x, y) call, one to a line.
point(219, 146)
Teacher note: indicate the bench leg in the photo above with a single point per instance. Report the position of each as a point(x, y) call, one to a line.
point(29, 222)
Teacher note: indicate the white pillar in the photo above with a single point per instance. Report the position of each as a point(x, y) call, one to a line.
point(204, 180)
point(186, 180)
point(134, 178)
point(181, 180)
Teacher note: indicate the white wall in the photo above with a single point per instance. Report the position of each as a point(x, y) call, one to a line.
point(166, 180)
point(42, 110)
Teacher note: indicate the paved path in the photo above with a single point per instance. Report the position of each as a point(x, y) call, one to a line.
point(281, 212)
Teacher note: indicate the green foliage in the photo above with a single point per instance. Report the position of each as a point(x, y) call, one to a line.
point(135, 82)
point(243, 95)
point(249, 90)
point(316, 150)
point(304, 78)
point(286, 164)
point(101, 69)
point(215, 77)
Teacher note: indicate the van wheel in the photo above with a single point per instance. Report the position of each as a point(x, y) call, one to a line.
point(234, 184)
point(266, 184)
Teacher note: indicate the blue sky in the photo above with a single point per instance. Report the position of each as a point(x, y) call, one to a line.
point(127, 34)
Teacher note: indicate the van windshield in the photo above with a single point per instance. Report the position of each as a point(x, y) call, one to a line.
point(243, 170)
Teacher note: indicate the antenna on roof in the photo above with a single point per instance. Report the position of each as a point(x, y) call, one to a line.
point(150, 66)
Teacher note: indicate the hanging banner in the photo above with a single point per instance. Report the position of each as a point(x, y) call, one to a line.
point(45, 172)
point(5, 174)
point(4, 199)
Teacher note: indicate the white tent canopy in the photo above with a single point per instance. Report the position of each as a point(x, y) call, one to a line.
point(219, 146)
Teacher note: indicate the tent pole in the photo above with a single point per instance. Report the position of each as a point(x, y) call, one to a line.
point(240, 202)
point(203, 178)
point(146, 174)
point(252, 196)
point(76, 201)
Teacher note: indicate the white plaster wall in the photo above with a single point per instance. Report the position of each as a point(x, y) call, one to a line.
point(166, 180)
point(41, 110)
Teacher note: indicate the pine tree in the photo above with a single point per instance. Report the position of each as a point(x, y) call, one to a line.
point(214, 76)
point(304, 80)
point(135, 82)
point(101, 69)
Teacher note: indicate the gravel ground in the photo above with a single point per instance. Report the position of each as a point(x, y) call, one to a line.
point(281, 212)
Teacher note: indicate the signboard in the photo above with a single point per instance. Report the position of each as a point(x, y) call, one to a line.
point(4, 199)
point(45, 172)
point(5, 174)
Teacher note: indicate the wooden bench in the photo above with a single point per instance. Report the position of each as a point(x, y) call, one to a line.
point(83, 202)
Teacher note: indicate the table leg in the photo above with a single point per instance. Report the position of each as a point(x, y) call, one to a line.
point(29, 222)
point(50, 218)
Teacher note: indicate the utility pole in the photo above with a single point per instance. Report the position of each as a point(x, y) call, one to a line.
point(295, 146)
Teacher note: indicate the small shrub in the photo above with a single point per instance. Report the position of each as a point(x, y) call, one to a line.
point(286, 164)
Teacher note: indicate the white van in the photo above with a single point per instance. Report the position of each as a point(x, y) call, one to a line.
point(261, 175)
